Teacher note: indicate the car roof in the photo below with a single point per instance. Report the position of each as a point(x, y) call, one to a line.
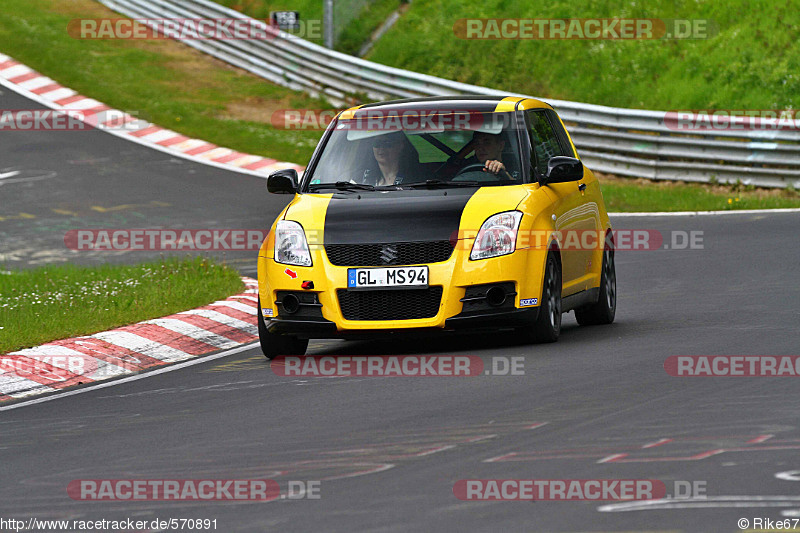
point(473, 103)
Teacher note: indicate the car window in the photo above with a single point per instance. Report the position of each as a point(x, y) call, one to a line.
point(561, 133)
point(366, 151)
point(544, 141)
point(428, 153)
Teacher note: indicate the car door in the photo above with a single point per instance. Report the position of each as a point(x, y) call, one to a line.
point(574, 216)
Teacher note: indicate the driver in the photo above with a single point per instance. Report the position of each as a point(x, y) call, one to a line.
point(489, 151)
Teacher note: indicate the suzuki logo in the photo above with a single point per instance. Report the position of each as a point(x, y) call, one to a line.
point(388, 253)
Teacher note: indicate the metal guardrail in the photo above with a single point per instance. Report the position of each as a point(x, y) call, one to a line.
point(625, 142)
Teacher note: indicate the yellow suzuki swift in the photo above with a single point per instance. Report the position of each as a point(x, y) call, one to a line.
point(446, 213)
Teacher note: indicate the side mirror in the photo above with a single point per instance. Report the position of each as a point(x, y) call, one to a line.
point(562, 169)
point(283, 181)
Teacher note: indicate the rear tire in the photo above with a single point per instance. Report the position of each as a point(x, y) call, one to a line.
point(273, 345)
point(547, 326)
point(605, 309)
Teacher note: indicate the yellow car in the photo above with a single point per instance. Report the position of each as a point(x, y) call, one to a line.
point(436, 213)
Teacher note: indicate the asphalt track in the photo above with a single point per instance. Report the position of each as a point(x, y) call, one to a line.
point(64, 180)
point(388, 450)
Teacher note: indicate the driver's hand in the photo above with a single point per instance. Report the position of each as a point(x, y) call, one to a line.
point(493, 166)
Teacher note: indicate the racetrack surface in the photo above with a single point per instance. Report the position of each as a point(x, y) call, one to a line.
point(63, 180)
point(389, 450)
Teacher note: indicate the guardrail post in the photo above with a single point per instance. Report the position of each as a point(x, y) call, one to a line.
point(327, 16)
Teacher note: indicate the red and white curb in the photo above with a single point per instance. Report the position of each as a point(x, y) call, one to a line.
point(32, 85)
point(56, 365)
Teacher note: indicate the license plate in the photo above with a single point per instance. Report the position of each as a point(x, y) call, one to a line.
point(393, 277)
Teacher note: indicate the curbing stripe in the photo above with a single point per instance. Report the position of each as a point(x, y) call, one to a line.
point(36, 83)
point(222, 318)
point(128, 379)
point(223, 325)
point(150, 347)
point(249, 309)
point(203, 335)
point(234, 334)
point(34, 86)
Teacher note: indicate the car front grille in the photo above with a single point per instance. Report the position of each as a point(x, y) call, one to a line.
point(395, 253)
point(402, 304)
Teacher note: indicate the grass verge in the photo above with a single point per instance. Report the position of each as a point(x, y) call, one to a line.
point(749, 59)
point(177, 87)
point(631, 195)
point(56, 302)
point(165, 82)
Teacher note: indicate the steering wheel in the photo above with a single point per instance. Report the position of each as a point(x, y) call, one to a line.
point(476, 167)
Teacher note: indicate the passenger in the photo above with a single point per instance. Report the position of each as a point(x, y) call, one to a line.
point(396, 159)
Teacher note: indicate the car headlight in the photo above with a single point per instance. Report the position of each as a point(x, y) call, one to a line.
point(291, 247)
point(497, 236)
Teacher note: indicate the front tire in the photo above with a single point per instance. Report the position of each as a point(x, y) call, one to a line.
point(273, 345)
point(605, 309)
point(547, 326)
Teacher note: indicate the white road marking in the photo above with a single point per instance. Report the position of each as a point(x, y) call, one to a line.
point(244, 161)
point(35, 83)
point(252, 298)
point(129, 379)
point(11, 174)
point(104, 369)
point(138, 344)
point(195, 332)
point(16, 70)
point(158, 136)
point(791, 475)
point(223, 318)
point(18, 387)
point(46, 350)
point(58, 94)
point(611, 457)
point(216, 153)
point(86, 103)
point(236, 305)
point(708, 502)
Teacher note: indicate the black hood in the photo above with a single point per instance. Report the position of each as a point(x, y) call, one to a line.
point(367, 217)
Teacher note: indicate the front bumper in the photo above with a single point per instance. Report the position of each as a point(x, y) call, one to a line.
point(322, 328)
point(458, 277)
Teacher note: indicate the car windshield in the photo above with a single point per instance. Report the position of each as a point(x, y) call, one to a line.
point(414, 149)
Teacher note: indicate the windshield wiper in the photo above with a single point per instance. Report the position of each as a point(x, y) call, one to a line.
point(440, 183)
point(342, 186)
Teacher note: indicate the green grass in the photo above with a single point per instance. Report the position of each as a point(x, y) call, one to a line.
point(752, 63)
point(358, 31)
point(163, 82)
point(55, 302)
point(620, 196)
